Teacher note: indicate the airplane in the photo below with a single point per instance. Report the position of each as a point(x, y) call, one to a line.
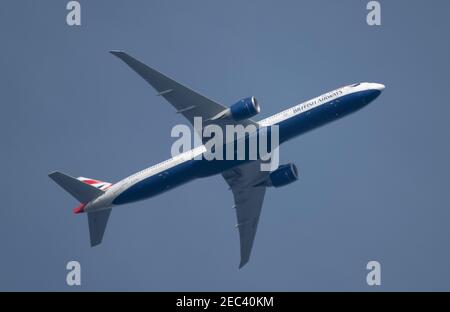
point(245, 179)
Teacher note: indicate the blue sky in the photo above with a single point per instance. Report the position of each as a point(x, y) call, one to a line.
point(373, 186)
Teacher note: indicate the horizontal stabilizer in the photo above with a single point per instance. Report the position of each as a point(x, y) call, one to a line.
point(78, 189)
point(97, 225)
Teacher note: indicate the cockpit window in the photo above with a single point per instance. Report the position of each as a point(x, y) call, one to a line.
point(355, 85)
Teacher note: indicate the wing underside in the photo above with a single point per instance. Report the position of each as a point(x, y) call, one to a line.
point(186, 101)
point(248, 196)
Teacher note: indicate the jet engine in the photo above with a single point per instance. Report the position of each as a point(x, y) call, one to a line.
point(284, 175)
point(244, 109)
point(241, 110)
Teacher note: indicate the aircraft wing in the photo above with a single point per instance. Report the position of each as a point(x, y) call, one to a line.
point(186, 101)
point(248, 196)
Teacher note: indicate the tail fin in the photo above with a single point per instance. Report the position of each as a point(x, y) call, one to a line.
point(85, 190)
point(78, 189)
point(97, 183)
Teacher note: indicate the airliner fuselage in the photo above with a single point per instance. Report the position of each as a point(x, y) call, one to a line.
point(183, 168)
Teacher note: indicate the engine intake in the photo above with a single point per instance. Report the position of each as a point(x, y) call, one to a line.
point(284, 175)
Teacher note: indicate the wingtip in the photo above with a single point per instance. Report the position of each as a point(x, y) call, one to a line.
point(53, 174)
point(95, 244)
point(242, 264)
point(118, 53)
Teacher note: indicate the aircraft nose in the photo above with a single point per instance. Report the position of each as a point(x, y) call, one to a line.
point(379, 86)
point(372, 92)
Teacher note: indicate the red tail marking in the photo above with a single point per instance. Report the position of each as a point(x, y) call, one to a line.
point(79, 209)
point(91, 181)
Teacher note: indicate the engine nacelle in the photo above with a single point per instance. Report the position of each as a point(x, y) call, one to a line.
point(284, 175)
point(244, 109)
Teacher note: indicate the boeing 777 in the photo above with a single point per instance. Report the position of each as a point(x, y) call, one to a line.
point(245, 178)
